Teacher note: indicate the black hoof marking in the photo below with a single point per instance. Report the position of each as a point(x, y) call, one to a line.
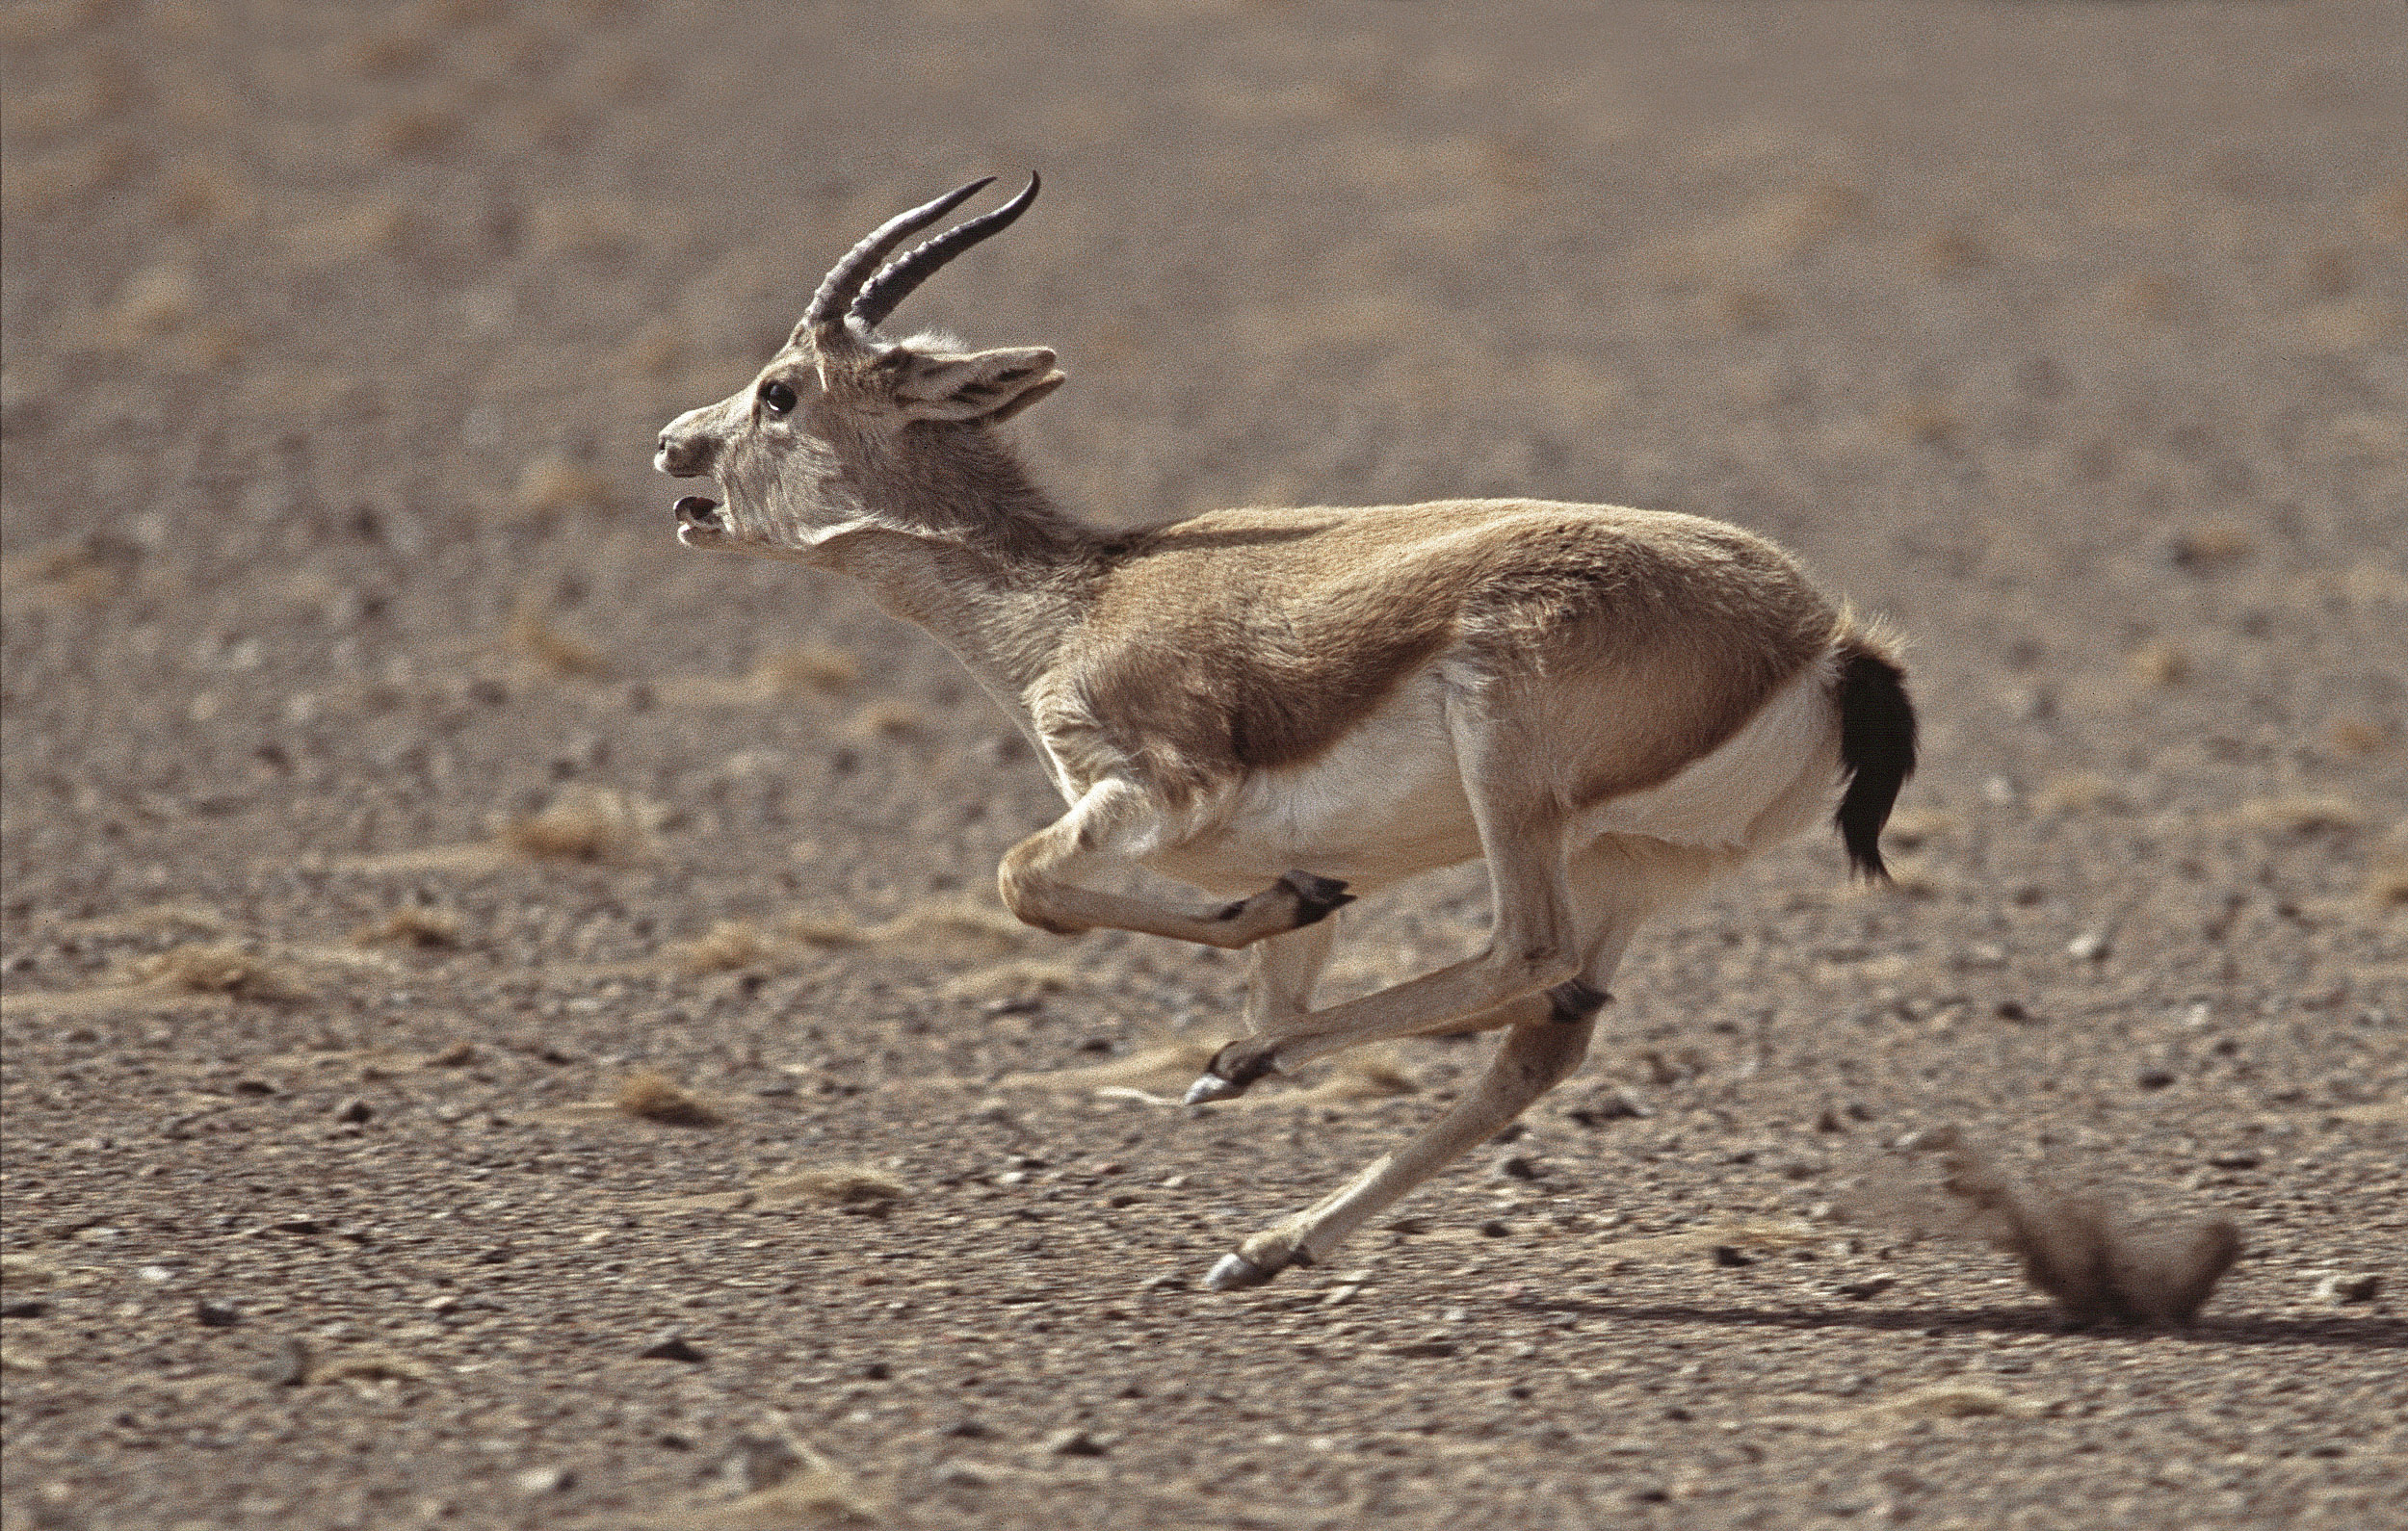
point(1316, 898)
point(1242, 1063)
point(1575, 1000)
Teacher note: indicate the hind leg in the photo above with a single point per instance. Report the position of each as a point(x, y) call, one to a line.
point(1539, 1050)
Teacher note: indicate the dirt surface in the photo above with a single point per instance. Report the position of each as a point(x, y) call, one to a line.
point(393, 811)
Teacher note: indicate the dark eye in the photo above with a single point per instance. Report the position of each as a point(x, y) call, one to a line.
point(777, 398)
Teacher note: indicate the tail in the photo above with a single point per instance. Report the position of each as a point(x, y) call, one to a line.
point(1876, 750)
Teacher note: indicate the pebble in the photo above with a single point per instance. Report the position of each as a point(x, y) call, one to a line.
point(2090, 946)
point(1731, 1259)
point(289, 1366)
point(214, 1315)
point(1073, 1443)
point(23, 1307)
point(1611, 1105)
point(2348, 1287)
point(1515, 1167)
point(671, 1347)
point(759, 1462)
point(1871, 1287)
point(961, 1475)
point(354, 1110)
point(544, 1480)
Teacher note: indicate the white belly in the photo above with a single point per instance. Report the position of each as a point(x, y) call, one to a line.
point(1384, 803)
point(1759, 786)
point(1387, 801)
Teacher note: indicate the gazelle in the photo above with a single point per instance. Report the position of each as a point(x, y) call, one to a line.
point(1287, 707)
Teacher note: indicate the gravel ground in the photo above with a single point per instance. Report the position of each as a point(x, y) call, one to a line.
point(394, 815)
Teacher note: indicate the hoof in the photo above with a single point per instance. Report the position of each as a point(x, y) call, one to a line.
point(1234, 1273)
point(1316, 898)
point(1233, 1069)
point(1211, 1088)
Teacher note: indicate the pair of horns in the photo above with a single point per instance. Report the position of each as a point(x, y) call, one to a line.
point(858, 292)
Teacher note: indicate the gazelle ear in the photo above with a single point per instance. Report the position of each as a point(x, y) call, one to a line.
point(983, 385)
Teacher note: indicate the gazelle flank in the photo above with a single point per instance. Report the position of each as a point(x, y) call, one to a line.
point(1287, 709)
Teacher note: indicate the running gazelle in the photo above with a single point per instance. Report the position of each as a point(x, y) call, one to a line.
point(1287, 708)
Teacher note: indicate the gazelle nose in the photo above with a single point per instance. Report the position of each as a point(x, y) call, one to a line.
point(682, 456)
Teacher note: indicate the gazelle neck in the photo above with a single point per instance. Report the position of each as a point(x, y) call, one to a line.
point(961, 541)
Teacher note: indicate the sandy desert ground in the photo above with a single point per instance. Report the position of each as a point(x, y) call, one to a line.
point(394, 815)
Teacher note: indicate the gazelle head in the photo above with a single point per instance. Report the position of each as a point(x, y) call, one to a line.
point(846, 431)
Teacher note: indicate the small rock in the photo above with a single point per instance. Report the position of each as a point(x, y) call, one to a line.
point(2238, 1160)
point(1340, 1296)
point(1870, 1287)
point(289, 1366)
point(1515, 1167)
point(1612, 1105)
point(544, 1480)
point(1731, 1259)
point(23, 1307)
point(1424, 1349)
point(761, 1462)
point(961, 1475)
point(2091, 946)
point(214, 1315)
point(2153, 1079)
point(671, 1347)
point(970, 1429)
point(1495, 1228)
point(2348, 1287)
point(1073, 1443)
point(354, 1109)
point(877, 1371)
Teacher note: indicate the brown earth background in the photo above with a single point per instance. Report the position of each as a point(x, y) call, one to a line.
point(394, 815)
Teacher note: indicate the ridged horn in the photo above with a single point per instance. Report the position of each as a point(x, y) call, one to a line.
point(903, 275)
point(844, 278)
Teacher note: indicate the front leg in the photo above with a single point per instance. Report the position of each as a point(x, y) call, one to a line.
point(1110, 827)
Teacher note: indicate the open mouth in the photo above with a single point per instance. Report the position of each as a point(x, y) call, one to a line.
point(700, 513)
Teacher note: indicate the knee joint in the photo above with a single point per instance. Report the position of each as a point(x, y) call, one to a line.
point(1573, 1000)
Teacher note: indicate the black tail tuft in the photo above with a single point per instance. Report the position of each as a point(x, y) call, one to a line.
point(1876, 750)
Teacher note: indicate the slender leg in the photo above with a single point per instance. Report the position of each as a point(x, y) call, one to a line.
point(1286, 968)
point(1533, 944)
point(1539, 1049)
point(1531, 1060)
point(1112, 825)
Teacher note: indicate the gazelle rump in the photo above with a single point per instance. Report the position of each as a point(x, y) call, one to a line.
point(1286, 709)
